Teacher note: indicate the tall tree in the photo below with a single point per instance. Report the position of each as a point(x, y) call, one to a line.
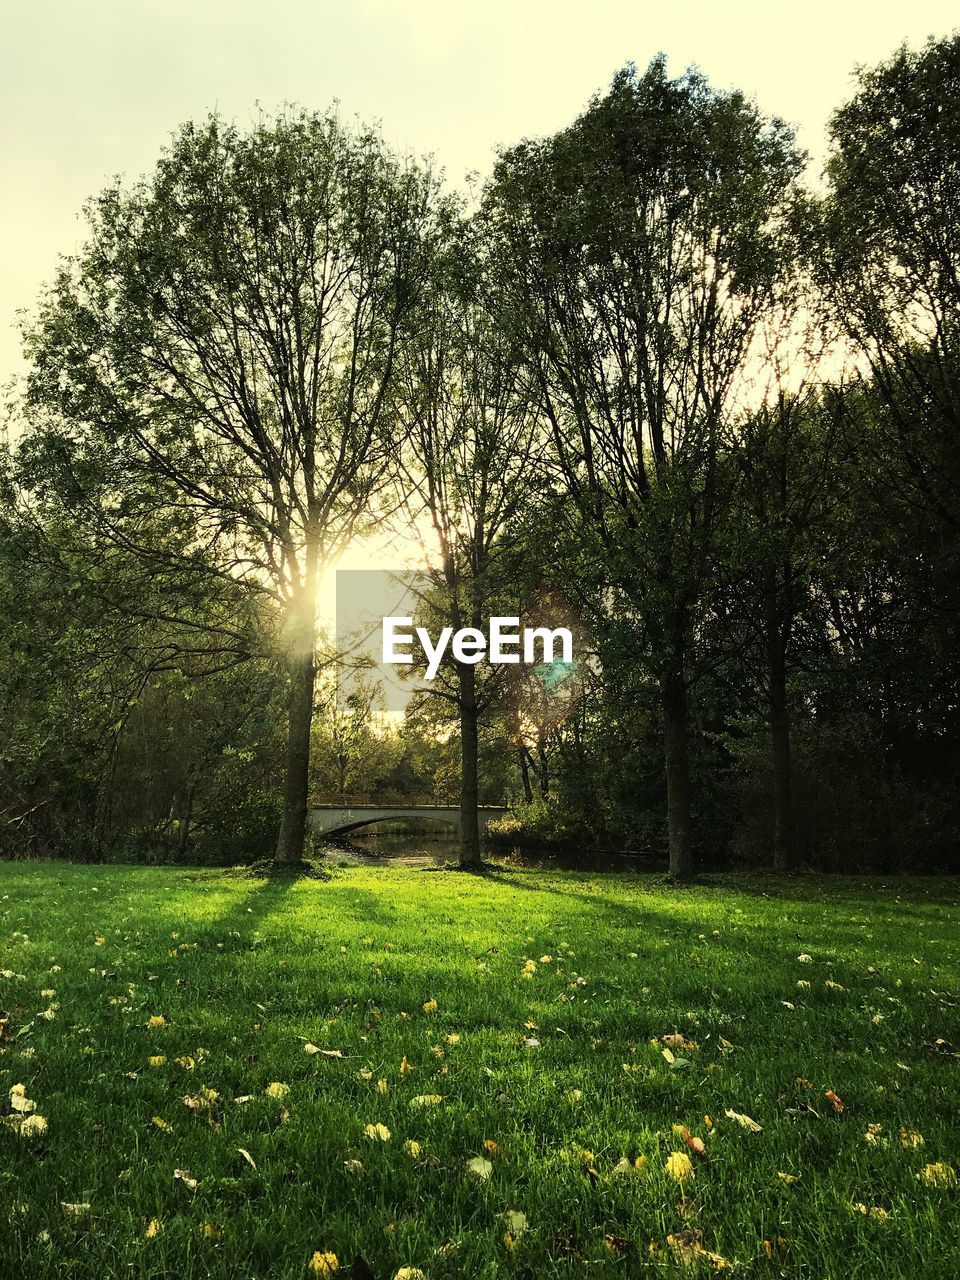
point(643, 244)
point(889, 263)
point(219, 355)
point(468, 467)
point(786, 477)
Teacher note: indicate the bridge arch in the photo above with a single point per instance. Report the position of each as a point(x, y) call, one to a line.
point(334, 820)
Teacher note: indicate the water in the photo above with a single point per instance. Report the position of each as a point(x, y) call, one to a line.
point(379, 846)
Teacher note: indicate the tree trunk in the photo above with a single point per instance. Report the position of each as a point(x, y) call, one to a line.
point(469, 769)
point(779, 720)
point(525, 774)
point(299, 716)
point(673, 696)
point(186, 813)
point(543, 771)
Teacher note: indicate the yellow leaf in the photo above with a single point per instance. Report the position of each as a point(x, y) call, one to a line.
point(870, 1211)
point(744, 1121)
point(153, 1229)
point(429, 1006)
point(679, 1166)
point(161, 1124)
point(323, 1264)
point(277, 1090)
point(34, 1126)
point(515, 1222)
point(479, 1168)
point(938, 1175)
point(379, 1132)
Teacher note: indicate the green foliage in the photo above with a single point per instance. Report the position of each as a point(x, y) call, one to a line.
point(611, 401)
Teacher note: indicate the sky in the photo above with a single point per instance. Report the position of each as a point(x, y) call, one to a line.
point(92, 89)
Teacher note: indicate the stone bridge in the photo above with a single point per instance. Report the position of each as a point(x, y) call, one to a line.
point(336, 820)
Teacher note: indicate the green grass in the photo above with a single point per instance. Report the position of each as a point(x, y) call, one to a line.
point(245, 973)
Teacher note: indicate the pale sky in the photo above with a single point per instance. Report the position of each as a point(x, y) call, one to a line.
point(92, 88)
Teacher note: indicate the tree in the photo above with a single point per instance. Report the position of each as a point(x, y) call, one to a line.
point(785, 474)
point(353, 745)
point(219, 356)
point(642, 245)
point(889, 262)
point(468, 465)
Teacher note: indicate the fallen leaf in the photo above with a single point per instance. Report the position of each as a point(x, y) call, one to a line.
point(479, 1168)
point(744, 1121)
point(515, 1222)
point(679, 1166)
point(695, 1144)
point(323, 1264)
point(688, 1250)
point(619, 1246)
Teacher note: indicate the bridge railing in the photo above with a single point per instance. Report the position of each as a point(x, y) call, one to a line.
point(391, 800)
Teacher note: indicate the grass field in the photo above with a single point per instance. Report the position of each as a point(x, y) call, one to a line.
point(530, 1074)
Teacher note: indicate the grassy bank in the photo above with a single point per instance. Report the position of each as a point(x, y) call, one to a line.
point(532, 1074)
